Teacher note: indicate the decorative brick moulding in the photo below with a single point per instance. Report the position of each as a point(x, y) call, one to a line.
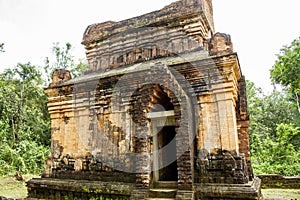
point(161, 113)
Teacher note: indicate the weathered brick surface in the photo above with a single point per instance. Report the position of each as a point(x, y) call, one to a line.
point(243, 125)
point(220, 44)
point(139, 194)
point(185, 195)
point(278, 181)
point(169, 61)
point(73, 189)
point(247, 191)
point(180, 27)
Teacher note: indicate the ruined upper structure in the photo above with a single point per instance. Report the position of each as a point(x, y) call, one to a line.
point(163, 105)
point(183, 26)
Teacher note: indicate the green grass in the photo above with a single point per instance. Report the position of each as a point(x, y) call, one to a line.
point(280, 194)
point(11, 188)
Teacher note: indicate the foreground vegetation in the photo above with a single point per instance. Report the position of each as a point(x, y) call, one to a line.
point(25, 125)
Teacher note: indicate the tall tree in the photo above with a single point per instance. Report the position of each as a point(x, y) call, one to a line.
point(286, 70)
point(63, 59)
point(24, 120)
point(267, 111)
point(274, 131)
point(23, 104)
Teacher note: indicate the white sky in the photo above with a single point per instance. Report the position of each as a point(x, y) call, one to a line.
point(259, 28)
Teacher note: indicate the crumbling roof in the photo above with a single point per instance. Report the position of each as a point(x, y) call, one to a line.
point(164, 17)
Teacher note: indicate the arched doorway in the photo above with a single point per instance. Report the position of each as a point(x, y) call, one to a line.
point(163, 148)
point(159, 106)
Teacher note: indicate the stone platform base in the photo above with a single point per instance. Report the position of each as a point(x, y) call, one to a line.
point(47, 188)
point(252, 190)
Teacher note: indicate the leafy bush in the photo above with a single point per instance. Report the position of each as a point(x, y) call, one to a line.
point(26, 157)
point(279, 156)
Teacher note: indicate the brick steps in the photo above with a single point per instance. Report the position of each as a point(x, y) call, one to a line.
point(162, 193)
point(166, 184)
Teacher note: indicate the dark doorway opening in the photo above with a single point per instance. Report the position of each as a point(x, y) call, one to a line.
point(167, 156)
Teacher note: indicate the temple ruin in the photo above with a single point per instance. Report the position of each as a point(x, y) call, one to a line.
point(161, 113)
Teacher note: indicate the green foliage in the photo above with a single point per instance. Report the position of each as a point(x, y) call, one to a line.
point(26, 157)
point(79, 68)
point(24, 120)
point(275, 118)
point(274, 132)
point(286, 70)
point(63, 59)
point(23, 107)
point(280, 156)
point(267, 111)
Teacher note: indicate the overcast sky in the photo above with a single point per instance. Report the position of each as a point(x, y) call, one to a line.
point(259, 28)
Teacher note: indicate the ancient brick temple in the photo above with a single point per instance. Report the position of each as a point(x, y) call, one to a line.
point(161, 113)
